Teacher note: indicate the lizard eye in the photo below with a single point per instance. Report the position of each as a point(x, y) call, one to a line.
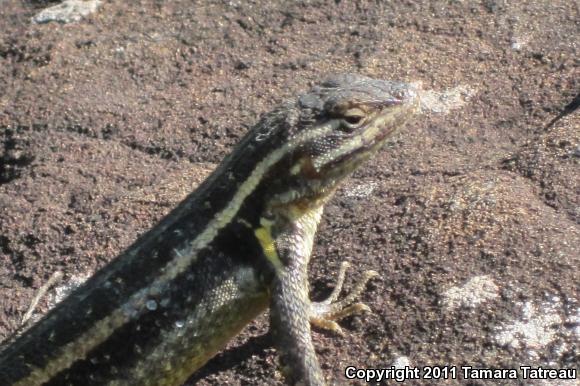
point(351, 119)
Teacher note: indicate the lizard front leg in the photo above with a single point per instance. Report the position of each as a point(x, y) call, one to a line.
point(290, 324)
point(287, 242)
point(291, 311)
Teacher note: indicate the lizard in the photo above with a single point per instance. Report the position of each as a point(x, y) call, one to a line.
point(237, 245)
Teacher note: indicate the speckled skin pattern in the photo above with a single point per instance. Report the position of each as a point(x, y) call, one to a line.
point(240, 242)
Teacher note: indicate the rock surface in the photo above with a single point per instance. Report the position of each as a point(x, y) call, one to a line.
point(471, 214)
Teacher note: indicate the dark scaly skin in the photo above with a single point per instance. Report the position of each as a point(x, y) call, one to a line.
point(243, 239)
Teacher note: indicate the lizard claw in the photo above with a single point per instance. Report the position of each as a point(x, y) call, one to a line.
point(325, 313)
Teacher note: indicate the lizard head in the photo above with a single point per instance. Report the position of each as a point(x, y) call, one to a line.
point(353, 115)
point(329, 131)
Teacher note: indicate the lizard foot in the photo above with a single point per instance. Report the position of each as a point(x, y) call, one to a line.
point(324, 314)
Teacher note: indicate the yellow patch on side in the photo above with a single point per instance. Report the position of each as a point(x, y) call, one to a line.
point(264, 236)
